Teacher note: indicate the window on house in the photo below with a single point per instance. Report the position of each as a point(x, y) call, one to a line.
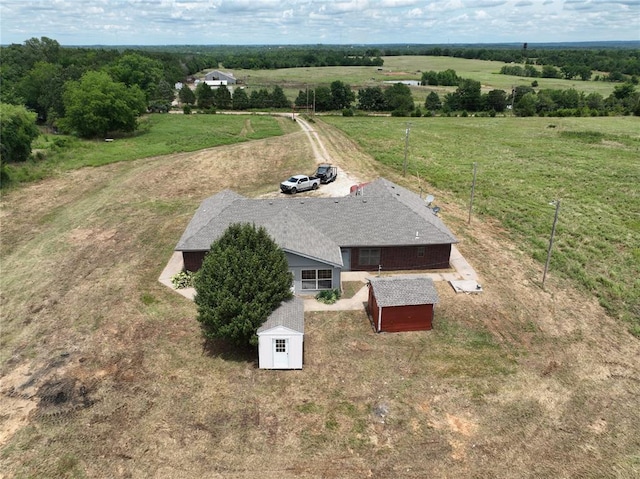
point(370, 256)
point(281, 345)
point(420, 251)
point(317, 279)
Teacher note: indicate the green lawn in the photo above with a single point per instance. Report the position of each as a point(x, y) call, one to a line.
point(591, 164)
point(157, 135)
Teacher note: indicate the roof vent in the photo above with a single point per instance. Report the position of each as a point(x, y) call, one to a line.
point(364, 201)
point(335, 201)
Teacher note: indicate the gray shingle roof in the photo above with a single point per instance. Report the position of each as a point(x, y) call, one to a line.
point(289, 314)
point(404, 291)
point(385, 215)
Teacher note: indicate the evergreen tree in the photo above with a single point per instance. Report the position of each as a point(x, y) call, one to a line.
point(223, 98)
point(186, 95)
point(433, 103)
point(239, 99)
point(279, 99)
point(243, 279)
point(204, 96)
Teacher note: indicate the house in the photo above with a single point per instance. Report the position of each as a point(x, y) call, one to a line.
point(385, 227)
point(401, 303)
point(217, 75)
point(281, 337)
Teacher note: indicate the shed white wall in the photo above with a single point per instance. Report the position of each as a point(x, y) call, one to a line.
point(266, 340)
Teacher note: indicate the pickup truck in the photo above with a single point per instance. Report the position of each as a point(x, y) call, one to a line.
point(300, 183)
point(326, 173)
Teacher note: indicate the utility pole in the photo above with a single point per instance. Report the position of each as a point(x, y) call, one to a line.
point(473, 189)
point(553, 232)
point(314, 103)
point(307, 104)
point(406, 147)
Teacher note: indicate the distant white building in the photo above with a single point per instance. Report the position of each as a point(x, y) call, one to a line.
point(217, 75)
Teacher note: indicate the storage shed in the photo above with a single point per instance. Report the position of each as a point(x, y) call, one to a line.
point(402, 303)
point(281, 337)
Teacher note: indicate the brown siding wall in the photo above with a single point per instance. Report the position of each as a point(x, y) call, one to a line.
point(407, 318)
point(406, 257)
point(193, 260)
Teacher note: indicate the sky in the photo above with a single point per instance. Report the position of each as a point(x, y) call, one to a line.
point(287, 22)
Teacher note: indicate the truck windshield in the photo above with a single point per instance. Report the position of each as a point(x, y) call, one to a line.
point(322, 170)
point(293, 179)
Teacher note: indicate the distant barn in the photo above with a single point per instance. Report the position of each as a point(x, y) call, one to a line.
point(401, 303)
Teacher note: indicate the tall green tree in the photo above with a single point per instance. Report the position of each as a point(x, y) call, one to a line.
point(399, 99)
point(432, 102)
point(527, 105)
point(496, 100)
point(41, 88)
point(260, 98)
point(17, 131)
point(240, 99)
point(371, 99)
point(222, 98)
point(186, 95)
point(279, 99)
point(205, 96)
point(96, 105)
point(341, 95)
point(322, 98)
point(135, 69)
point(469, 95)
point(243, 279)
point(164, 92)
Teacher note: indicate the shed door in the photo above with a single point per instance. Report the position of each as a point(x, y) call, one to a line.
point(280, 353)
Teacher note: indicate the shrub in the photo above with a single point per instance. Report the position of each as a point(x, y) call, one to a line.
point(328, 296)
point(183, 279)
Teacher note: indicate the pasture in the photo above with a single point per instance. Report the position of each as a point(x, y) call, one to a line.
point(590, 164)
point(292, 80)
point(105, 372)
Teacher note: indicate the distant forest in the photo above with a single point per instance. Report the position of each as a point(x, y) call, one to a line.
point(35, 73)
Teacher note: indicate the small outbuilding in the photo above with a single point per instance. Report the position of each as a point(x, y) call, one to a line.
point(281, 337)
point(402, 303)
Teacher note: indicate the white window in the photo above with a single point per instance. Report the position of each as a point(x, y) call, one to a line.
point(317, 279)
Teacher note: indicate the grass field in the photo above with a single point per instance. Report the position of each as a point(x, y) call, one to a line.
point(104, 371)
point(408, 68)
point(592, 165)
point(157, 135)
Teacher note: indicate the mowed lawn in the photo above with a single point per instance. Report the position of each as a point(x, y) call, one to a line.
point(592, 165)
point(104, 371)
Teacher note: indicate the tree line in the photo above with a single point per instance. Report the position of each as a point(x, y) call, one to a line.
point(616, 61)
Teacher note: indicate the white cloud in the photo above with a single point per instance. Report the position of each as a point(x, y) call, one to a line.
point(317, 21)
